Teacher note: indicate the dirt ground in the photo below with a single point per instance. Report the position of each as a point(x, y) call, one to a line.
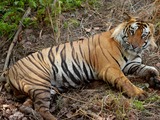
point(96, 101)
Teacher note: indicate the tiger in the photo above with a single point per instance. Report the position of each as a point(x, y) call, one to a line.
point(109, 56)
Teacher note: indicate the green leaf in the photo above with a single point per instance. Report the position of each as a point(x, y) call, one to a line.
point(20, 9)
point(138, 105)
point(32, 3)
point(16, 2)
point(41, 2)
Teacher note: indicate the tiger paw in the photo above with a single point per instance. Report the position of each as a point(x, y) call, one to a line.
point(154, 82)
point(138, 94)
point(142, 96)
point(29, 110)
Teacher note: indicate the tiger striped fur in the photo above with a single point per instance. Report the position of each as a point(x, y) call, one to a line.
point(107, 56)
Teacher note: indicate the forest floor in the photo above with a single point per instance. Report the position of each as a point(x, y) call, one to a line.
point(96, 101)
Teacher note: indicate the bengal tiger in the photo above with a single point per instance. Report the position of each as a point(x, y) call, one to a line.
point(108, 56)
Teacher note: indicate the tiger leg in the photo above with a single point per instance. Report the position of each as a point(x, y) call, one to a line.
point(28, 109)
point(115, 76)
point(149, 73)
point(42, 103)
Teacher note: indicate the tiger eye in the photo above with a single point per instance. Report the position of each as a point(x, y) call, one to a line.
point(132, 32)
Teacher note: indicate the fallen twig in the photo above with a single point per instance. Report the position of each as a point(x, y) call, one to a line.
point(15, 38)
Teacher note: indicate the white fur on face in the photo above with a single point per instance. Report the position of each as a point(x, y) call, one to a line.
point(135, 26)
point(146, 30)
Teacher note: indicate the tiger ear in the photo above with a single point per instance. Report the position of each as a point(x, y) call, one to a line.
point(127, 17)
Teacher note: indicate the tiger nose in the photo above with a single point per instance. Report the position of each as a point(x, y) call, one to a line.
point(134, 46)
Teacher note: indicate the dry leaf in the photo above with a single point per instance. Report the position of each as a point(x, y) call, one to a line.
point(69, 114)
point(96, 28)
point(16, 116)
point(111, 117)
point(158, 64)
point(88, 29)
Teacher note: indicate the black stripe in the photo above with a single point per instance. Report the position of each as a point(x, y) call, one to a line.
point(30, 80)
point(55, 71)
point(76, 71)
point(89, 52)
point(40, 53)
point(91, 72)
point(41, 58)
point(52, 61)
point(51, 56)
point(124, 37)
point(65, 81)
point(80, 49)
point(73, 54)
point(63, 53)
point(137, 56)
point(54, 67)
point(71, 44)
point(101, 48)
point(76, 60)
point(41, 92)
point(12, 85)
point(114, 59)
point(142, 68)
point(25, 73)
point(30, 93)
point(133, 62)
point(125, 30)
point(68, 73)
point(14, 70)
point(19, 66)
point(65, 66)
point(85, 71)
point(123, 56)
point(35, 72)
point(44, 70)
point(34, 94)
point(57, 48)
point(133, 69)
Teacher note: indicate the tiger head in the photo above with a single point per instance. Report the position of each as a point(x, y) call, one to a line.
point(134, 35)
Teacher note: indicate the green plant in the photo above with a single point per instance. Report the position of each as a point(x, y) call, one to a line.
point(11, 13)
point(47, 11)
point(138, 105)
point(71, 22)
point(71, 4)
point(153, 98)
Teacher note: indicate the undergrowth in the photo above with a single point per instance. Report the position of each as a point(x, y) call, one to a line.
point(43, 11)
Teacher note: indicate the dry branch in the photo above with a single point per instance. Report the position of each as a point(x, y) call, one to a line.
point(15, 38)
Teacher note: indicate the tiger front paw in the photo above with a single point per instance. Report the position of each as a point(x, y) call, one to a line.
point(154, 82)
point(138, 93)
point(141, 96)
point(152, 77)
